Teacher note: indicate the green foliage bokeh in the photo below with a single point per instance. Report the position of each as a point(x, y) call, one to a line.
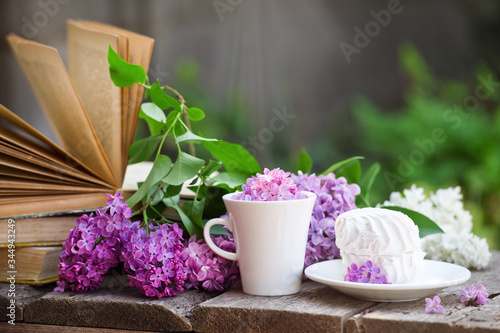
point(465, 153)
point(467, 126)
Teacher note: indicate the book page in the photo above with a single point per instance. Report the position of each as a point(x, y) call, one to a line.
point(139, 53)
point(102, 100)
point(12, 207)
point(38, 154)
point(40, 144)
point(16, 167)
point(54, 89)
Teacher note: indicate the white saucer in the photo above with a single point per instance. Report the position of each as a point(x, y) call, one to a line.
point(435, 276)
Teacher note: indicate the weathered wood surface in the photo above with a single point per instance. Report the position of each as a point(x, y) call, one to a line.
point(38, 328)
point(456, 317)
point(116, 305)
point(316, 308)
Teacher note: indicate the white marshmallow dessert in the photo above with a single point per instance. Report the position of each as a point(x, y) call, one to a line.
point(388, 238)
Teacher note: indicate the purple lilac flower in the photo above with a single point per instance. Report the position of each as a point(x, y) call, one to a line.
point(334, 197)
point(93, 247)
point(353, 273)
point(205, 269)
point(273, 185)
point(153, 261)
point(474, 296)
point(433, 305)
point(468, 294)
point(482, 295)
point(365, 274)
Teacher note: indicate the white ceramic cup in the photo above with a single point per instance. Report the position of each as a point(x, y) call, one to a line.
point(270, 239)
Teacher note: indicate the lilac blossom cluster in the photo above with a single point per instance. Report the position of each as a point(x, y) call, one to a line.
point(157, 260)
point(153, 261)
point(205, 269)
point(273, 185)
point(334, 197)
point(474, 296)
point(93, 247)
point(365, 274)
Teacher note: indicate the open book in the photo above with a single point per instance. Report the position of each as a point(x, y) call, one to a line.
point(93, 120)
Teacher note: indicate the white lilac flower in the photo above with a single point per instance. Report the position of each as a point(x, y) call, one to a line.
point(445, 207)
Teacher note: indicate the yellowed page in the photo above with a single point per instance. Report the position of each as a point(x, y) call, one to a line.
point(33, 173)
point(25, 206)
point(144, 45)
point(39, 143)
point(54, 89)
point(36, 152)
point(89, 70)
point(140, 49)
point(16, 183)
point(34, 168)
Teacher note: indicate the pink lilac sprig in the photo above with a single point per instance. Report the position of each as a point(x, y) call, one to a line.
point(474, 296)
point(93, 247)
point(207, 270)
point(273, 185)
point(153, 261)
point(433, 305)
point(334, 197)
point(365, 274)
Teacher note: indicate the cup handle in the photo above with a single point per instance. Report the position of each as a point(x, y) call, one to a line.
point(211, 244)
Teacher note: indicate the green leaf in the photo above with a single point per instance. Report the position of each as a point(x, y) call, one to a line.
point(368, 179)
point(425, 225)
point(195, 114)
point(162, 100)
point(208, 169)
point(351, 171)
point(194, 209)
point(124, 74)
point(174, 116)
point(154, 116)
point(190, 226)
point(141, 150)
point(305, 162)
point(232, 180)
point(161, 167)
point(366, 183)
point(185, 167)
point(235, 158)
point(172, 191)
point(340, 164)
point(217, 230)
point(190, 136)
point(159, 196)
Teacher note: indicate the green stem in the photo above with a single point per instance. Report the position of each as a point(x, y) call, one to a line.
point(157, 212)
point(143, 208)
point(145, 215)
point(184, 112)
point(97, 241)
point(166, 134)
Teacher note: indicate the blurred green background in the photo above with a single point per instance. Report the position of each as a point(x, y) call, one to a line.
point(276, 76)
point(446, 133)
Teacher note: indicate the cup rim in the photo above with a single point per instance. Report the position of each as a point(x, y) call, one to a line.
point(228, 197)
